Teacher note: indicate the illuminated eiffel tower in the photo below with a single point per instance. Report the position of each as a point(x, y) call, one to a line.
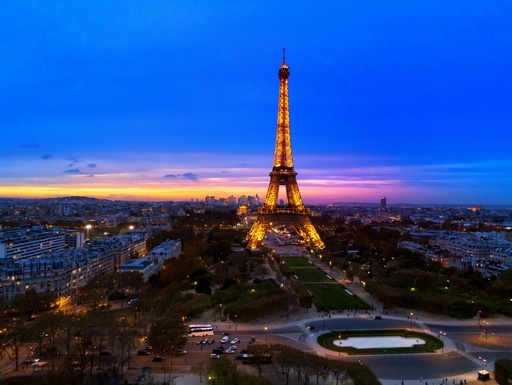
point(293, 214)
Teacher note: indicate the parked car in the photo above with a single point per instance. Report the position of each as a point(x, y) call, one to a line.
point(214, 356)
point(181, 351)
point(377, 317)
point(235, 341)
point(226, 333)
point(105, 353)
point(211, 342)
point(252, 340)
point(158, 358)
point(224, 340)
point(143, 352)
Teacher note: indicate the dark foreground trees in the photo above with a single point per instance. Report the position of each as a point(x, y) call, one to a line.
point(285, 366)
point(503, 371)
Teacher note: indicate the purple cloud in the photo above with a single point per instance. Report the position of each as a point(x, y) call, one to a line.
point(187, 175)
point(190, 176)
point(73, 171)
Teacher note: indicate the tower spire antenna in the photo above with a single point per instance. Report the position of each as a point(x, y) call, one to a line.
point(284, 55)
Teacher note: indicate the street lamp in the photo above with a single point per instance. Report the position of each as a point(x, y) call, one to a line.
point(339, 345)
point(441, 334)
point(88, 228)
point(410, 321)
point(266, 328)
point(236, 321)
point(484, 361)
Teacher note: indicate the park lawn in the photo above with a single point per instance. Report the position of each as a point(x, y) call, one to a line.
point(108, 317)
point(297, 262)
point(334, 297)
point(313, 274)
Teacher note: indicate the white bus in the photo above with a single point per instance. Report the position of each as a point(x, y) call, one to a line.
point(200, 330)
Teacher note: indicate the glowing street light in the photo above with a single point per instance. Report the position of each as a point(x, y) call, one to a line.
point(339, 345)
point(410, 321)
point(266, 329)
point(88, 228)
point(442, 334)
point(484, 361)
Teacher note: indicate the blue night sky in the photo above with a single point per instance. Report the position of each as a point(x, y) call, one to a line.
point(172, 100)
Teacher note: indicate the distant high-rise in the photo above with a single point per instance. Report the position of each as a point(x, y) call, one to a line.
point(382, 202)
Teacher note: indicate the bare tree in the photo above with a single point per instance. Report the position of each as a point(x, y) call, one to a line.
point(13, 339)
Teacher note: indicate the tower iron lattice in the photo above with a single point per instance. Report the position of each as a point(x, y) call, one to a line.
point(293, 214)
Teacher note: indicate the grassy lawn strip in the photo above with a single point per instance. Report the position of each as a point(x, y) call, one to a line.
point(334, 297)
point(330, 294)
point(297, 262)
point(313, 274)
point(107, 317)
point(431, 343)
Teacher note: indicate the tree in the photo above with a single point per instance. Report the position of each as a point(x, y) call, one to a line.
point(166, 335)
point(33, 302)
point(224, 371)
point(69, 327)
point(126, 335)
point(130, 281)
point(203, 286)
point(503, 371)
point(93, 297)
point(12, 339)
point(199, 369)
point(49, 327)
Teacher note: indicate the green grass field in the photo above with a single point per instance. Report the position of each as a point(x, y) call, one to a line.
point(312, 274)
point(297, 262)
point(333, 297)
point(330, 294)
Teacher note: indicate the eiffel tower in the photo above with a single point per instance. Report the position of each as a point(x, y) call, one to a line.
point(293, 214)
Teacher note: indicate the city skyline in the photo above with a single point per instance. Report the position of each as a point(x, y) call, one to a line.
point(167, 101)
